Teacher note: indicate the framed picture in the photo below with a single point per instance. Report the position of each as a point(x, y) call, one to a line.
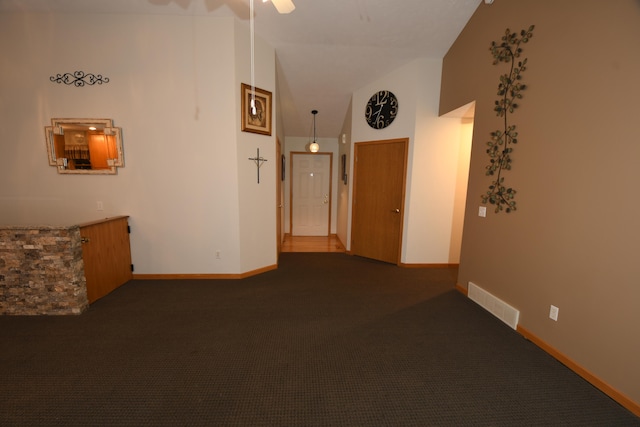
point(258, 121)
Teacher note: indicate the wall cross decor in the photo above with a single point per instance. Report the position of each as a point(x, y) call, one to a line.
point(258, 161)
point(79, 79)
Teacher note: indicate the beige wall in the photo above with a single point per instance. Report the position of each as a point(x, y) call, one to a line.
point(344, 148)
point(432, 169)
point(187, 183)
point(574, 241)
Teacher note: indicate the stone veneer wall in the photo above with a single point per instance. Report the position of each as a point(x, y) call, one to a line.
point(41, 271)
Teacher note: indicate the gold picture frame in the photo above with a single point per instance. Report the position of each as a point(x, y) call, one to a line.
point(260, 122)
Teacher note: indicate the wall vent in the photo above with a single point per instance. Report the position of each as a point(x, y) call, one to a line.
point(493, 305)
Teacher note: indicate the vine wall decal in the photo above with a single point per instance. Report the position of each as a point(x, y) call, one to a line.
point(502, 140)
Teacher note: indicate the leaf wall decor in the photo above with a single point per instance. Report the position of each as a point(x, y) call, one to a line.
point(500, 146)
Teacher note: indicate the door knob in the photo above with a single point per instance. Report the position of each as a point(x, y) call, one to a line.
point(84, 240)
point(396, 211)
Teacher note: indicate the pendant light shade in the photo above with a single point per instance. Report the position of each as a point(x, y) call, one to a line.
point(314, 147)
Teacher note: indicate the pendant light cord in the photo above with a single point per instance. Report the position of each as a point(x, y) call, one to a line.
point(314, 112)
point(253, 77)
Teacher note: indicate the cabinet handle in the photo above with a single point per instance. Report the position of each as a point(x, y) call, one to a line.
point(84, 240)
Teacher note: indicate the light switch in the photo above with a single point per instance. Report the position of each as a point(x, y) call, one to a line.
point(482, 211)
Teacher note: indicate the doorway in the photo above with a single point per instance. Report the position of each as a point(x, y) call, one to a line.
point(310, 193)
point(329, 243)
point(380, 171)
point(279, 197)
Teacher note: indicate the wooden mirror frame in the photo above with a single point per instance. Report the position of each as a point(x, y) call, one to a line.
point(104, 138)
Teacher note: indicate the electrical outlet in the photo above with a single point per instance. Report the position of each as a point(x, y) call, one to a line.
point(99, 206)
point(218, 254)
point(553, 313)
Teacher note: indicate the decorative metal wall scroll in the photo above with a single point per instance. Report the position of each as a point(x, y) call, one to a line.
point(79, 79)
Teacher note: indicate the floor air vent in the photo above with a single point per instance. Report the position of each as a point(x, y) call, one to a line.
point(493, 305)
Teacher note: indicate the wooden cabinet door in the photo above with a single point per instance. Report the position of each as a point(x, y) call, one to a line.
point(107, 256)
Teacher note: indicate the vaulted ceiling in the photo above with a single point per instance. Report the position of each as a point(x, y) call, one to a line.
point(325, 49)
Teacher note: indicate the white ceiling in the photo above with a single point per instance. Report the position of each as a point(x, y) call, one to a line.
point(325, 49)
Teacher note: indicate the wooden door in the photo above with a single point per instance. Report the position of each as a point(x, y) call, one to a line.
point(378, 199)
point(107, 255)
point(310, 194)
point(279, 196)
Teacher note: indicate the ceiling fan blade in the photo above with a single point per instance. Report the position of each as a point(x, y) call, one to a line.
point(283, 6)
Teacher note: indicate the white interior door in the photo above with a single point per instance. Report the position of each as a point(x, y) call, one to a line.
point(310, 194)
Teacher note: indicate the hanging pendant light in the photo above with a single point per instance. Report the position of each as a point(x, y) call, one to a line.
point(314, 147)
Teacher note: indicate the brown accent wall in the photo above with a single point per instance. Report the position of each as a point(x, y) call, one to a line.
point(574, 241)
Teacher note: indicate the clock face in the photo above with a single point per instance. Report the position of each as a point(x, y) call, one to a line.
point(381, 110)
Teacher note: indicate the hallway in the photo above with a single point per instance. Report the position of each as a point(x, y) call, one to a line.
point(312, 244)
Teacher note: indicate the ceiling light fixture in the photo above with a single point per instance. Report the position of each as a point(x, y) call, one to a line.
point(282, 6)
point(314, 147)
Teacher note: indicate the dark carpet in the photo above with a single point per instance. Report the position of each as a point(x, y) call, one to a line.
point(325, 340)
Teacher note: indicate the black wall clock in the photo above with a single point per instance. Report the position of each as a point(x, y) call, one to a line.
point(381, 110)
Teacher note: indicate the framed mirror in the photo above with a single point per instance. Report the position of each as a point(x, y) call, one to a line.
point(84, 146)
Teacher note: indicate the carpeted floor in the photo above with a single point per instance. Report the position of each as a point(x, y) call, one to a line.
point(325, 340)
